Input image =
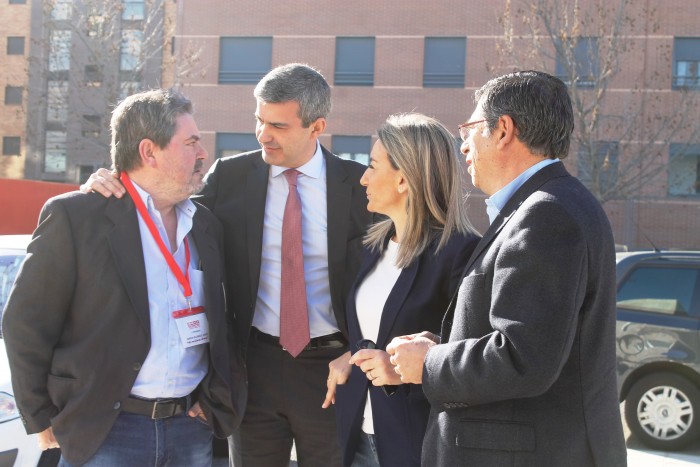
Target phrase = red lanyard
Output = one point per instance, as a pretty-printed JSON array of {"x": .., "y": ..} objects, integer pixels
[{"x": 183, "y": 279}]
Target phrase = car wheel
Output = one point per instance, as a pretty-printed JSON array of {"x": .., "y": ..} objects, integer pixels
[{"x": 663, "y": 411}]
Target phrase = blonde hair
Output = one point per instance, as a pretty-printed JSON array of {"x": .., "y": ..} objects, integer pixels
[{"x": 425, "y": 153}]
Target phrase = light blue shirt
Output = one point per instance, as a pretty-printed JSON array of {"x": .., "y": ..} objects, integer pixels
[
  {"x": 311, "y": 185},
  {"x": 495, "y": 203},
  {"x": 170, "y": 369}
]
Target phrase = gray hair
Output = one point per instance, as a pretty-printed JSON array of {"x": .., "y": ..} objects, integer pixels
[
  {"x": 539, "y": 105},
  {"x": 146, "y": 115},
  {"x": 297, "y": 82},
  {"x": 425, "y": 152}
]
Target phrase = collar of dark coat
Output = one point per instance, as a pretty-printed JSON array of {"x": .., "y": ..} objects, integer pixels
[
  {"x": 125, "y": 240},
  {"x": 521, "y": 194}
]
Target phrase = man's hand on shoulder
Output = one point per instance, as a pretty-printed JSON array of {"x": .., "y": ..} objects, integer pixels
[{"x": 105, "y": 183}]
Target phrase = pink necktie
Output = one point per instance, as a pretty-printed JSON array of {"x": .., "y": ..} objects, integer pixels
[{"x": 294, "y": 318}]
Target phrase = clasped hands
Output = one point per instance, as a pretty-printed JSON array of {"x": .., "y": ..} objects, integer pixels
[{"x": 401, "y": 363}]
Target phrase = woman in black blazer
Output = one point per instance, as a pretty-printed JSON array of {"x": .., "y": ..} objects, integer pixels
[{"x": 413, "y": 262}]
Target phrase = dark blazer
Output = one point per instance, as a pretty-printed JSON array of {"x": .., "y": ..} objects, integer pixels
[
  {"x": 236, "y": 190},
  {"x": 526, "y": 372},
  {"x": 77, "y": 324},
  {"x": 416, "y": 303}
]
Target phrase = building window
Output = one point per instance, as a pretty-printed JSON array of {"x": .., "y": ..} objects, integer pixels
[
  {"x": 244, "y": 60},
  {"x": 127, "y": 88},
  {"x": 10, "y": 145},
  {"x": 133, "y": 10},
  {"x": 92, "y": 125},
  {"x": 55, "y": 154},
  {"x": 132, "y": 41},
  {"x": 15, "y": 46},
  {"x": 13, "y": 95},
  {"x": 686, "y": 63},
  {"x": 354, "y": 61},
  {"x": 597, "y": 167},
  {"x": 93, "y": 76},
  {"x": 57, "y": 101},
  {"x": 84, "y": 172},
  {"x": 444, "y": 62},
  {"x": 578, "y": 62},
  {"x": 684, "y": 170},
  {"x": 59, "y": 51},
  {"x": 95, "y": 24},
  {"x": 662, "y": 290},
  {"x": 61, "y": 10},
  {"x": 229, "y": 144},
  {"x": 354, "y": 148}
]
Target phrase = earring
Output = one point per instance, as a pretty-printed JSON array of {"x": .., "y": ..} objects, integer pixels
[{"x": 400, "y": 190}]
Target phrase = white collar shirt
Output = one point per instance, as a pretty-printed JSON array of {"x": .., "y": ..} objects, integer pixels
[
  {"x": 311, "y": 185},
  {"x": 170, "y": 369}
]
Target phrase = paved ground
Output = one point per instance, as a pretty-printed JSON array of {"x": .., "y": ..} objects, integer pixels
[{"x": 639, "y": 455}]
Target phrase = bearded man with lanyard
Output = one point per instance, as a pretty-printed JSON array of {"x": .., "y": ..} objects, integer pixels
[{"x": 116, "y": 327}]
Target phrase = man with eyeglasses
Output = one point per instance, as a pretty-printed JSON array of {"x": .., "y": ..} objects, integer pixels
[{"x": 524, "y": 370}]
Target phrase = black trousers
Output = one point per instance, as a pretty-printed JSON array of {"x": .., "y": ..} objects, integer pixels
[{"x": 284, "y": 405}]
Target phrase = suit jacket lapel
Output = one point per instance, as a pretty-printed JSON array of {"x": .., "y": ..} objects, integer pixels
[
  {"x": 256, "y": 196},
  {"x": 208, "y": 255},
  {"x": 368, "y": 262},
  {"x": 395, "y": 301},
  {"x": 338, "y": 195},
  {"x": 127, "y": 253},
  {"x": 521, "y": 194}
]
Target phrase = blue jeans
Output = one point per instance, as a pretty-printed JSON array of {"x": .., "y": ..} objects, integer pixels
[
  {"x": 366, "y": 455},
  {"x": 137, "y": 440}
]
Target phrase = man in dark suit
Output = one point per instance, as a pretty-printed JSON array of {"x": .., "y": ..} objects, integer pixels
[
  {"x": 248, "y": 194},
  {"x": 116, "y": 327},
  {"x": 524, "y": 374}
]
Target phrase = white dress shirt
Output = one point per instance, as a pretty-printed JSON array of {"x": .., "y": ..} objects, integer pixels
[
  {"x": 311, "y": 186},
  {"x": 370, "y": 300},
  {"x": 170, "y": 369}
]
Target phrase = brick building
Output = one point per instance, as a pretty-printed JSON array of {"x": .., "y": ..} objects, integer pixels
[
  {"x": 397, "y": 56},
  {"x": 400, "y": 56},
  {"x": 14, "y": 44}
]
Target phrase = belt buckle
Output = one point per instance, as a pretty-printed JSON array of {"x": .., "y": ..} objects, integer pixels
[
  {"x": 157, "y": 415},
  {"x": 313, "y": 344}
]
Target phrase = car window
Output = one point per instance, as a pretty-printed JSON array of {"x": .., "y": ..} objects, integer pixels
[
  {"x": 662, "y": 290},
  {"x": 9, "y": 266}
]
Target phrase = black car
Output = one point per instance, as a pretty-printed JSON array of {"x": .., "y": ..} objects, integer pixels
[{"x": 658, "y": 345}]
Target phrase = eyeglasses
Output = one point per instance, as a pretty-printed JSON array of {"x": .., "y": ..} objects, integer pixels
[{"x": 464, "y": 128}]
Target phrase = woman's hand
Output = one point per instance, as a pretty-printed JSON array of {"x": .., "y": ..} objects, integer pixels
[
  {"x": 338, "y": 373},
  {"x": 376, "y": 366}
]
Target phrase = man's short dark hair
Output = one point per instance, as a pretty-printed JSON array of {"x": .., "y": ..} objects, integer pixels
[
  {"x": 297, "y": 82},
  {"x": 146, "y": 115},
  {"x": 539, "y": 105}
]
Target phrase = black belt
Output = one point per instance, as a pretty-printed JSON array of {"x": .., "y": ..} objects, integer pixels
[
  {"x": 156, "y": 408},
  {"x": 331, "y": 341}
]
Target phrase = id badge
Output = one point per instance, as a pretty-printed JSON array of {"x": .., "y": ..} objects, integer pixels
[{"x": 192, "y": 325}]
